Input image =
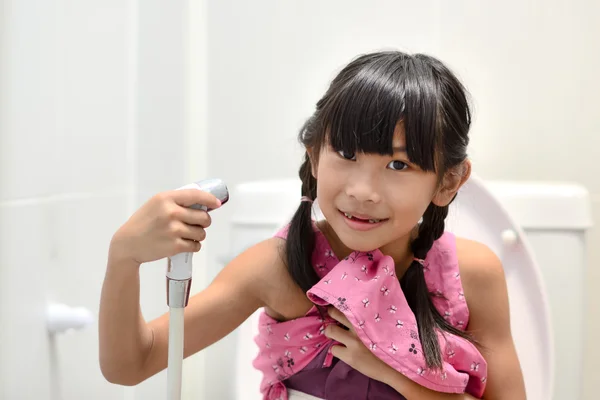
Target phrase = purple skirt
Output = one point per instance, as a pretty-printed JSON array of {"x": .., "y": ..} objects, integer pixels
[{"x": 339, "y": 381}]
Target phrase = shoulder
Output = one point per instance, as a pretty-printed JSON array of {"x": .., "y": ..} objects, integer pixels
[
  {"x": 262, "y": 271},
  {"x": 479, "y": 266},
  {"x": 248, "y": 272},
  {"x": 484, "y": 285},
  {"x": 271, "y": 270},
  {"x": 260, "y": 262}
]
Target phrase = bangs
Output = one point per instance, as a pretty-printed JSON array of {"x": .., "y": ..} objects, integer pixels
[{"x": 361, "y": 113}]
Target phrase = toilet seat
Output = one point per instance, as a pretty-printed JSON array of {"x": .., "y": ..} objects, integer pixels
[{"x": 476, "y": 215}]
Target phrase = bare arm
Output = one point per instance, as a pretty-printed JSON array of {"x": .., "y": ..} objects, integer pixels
[
  {"x": 489, "y": 322},
  {"x": 123, "y": 334},
  {"x": 213, "y": 313},
  {"x": 210, "y": 315}
]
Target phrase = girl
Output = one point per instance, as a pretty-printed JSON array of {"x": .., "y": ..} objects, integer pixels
[{"x": 376, "y": 301}]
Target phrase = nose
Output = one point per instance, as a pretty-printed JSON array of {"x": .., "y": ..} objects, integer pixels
[{"x": 363, "y": 188}]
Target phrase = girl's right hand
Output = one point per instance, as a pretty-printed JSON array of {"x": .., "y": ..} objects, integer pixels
[{"x": 164, "y": 226}]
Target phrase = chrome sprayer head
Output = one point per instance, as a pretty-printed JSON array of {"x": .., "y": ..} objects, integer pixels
[
  {"x": 216, "y": 187},
  {"x": 179, "y": 269}
]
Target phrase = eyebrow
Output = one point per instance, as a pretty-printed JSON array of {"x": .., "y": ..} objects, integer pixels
[{"x": 399, "y": 149}]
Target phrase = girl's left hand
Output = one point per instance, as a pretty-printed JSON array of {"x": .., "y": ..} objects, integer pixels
[
  {"x": 354, "y": 352},
  {"x": 358, "y": 356}
]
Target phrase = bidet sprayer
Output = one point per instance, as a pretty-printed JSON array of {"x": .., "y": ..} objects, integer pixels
[{"x": 179, "y": 269}]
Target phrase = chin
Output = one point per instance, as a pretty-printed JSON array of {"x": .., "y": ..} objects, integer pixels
[
  {"x": 362, "y": 247},
  {"x": 360, "y": 242}
]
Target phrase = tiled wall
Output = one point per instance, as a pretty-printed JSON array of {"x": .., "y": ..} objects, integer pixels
[
  {"x": 64, "y": 185},
  {"x": 91, "y": 125}
]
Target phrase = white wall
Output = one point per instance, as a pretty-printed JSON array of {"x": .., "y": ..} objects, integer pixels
[
  {"x": 530, "y": 67},
  {"x": 95, "y": 113}
]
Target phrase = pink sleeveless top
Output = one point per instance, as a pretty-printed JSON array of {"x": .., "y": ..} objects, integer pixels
[{"x": 364, "y": 287}]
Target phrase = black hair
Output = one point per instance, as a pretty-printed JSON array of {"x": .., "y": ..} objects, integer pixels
[{"x": 359, "y": 113}]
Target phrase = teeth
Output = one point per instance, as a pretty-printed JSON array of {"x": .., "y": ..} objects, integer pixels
[{"x": 371, "y": 221}]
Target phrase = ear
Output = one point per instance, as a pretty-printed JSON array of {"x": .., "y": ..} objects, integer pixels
[
  {"x": 451, "y": 183},
  {"x": 313, "y": 164}
]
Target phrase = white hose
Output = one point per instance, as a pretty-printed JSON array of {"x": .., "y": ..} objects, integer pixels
[
  {"x": 179, "y": 279},
  {"x": 175, "y": 362}
]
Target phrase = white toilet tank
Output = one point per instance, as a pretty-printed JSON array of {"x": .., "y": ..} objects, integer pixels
[
  {"x": 260, "y": 209},
  {"x": 555, "y": 218}
]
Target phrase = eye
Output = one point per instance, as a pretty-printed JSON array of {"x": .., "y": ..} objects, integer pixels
[
  {"x": 397, "y": 165},
  {"x": 347, "y": 156}
]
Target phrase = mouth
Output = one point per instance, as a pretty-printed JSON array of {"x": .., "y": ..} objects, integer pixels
[{"x": 366, "y": 219}]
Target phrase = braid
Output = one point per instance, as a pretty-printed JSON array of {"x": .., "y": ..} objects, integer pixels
[
  {"x": 430, "y": 230},
  {"x": 300, "y": 241},
  {"x": 309, "y": 183},
  {"x": 417, "y": 294}
]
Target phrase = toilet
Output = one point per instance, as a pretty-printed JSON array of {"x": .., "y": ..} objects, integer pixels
[{"x": 537, "y": 230}]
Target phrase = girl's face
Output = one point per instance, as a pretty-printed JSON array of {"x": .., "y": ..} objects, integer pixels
[{"x": 370, "y": 200}]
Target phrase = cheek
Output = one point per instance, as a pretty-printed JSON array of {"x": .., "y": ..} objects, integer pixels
[
  {"x": 330, "y": 177},
  {"x": 409, "y": 204},
  {"x": 327, "y": 187}
]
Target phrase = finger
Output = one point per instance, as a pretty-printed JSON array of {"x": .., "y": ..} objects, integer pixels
[
  {"x": 190, "y": 197},
  {"x": 339, "y": 352},
  {"x": 338, "y": 334},
  {"x": 180, "y": 230},
  {"x": 187, "y": 246},
  {"x": 193, "y": 217},
  {"x": 339, "y": 317},
  {"x": 192, "y": 232}
]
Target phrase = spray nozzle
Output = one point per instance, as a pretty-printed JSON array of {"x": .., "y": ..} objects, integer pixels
[{"x": 179, "y": 269}]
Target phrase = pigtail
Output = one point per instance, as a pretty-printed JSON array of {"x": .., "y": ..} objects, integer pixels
[
  {"x": 417, "y": 294},
  {"x": 300, "y": 241}
]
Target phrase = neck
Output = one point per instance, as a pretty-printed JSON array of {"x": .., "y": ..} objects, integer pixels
[
  {"x": 398, "y": 249},
  {"x": 401, "y": 252}
]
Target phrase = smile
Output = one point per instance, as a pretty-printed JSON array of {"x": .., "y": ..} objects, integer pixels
[
  {"x": 361, "y": 222},
  {"x": 370, "y": 220}
]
